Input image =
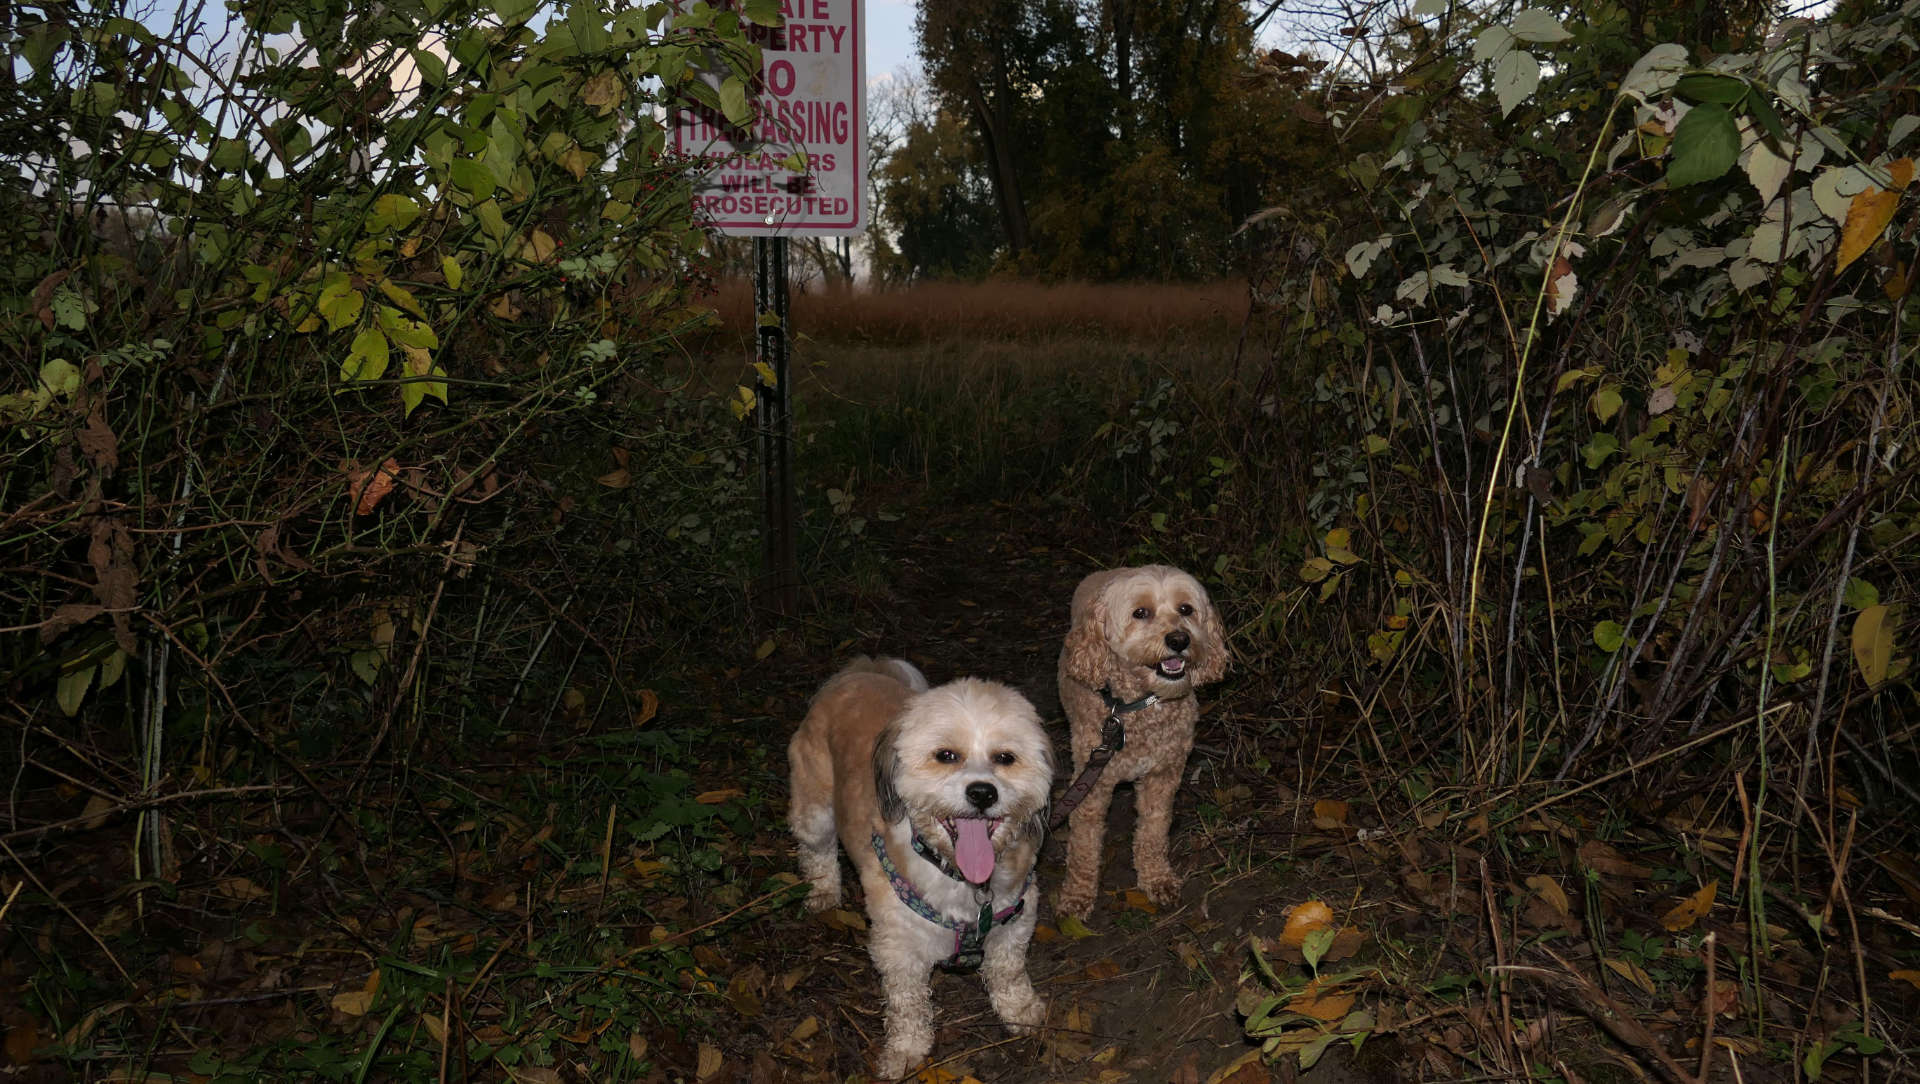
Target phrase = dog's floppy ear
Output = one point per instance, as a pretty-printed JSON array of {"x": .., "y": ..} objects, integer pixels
[
  {"x": 1038, "y": 820},
  {"x": 886, "y": 765},
  {"x": 1210, "y": 664},
  {"x": 1085, "y": 652}
]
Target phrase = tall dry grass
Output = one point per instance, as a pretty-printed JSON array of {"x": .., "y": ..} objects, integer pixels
[
  {"x": 985, "y": 389},
  {"x": 995, "y": 310}
]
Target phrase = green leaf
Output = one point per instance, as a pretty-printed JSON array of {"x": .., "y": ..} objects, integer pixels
[
  {"x": 229, "y": 155},
  {"x": 764, "y": 12},
  {"x": 1074, "y": 928},
  {"x": 733, "y": 102},
  {"x": 1599, "y": 448},
  {"x": 472, "y": 178},
  {"x": 1762, "y": 111},
  {"x": 433, "y": 70},
  {"x": 394, "y": 211},
  {"x": 1310, "y": 1053},
  {"x": 1516, "y": 75},
  {"x": 1873, "y": 643},
  {"x": 450, "y": 268},
  {"x": 492, "y": 220},
  {"x": 71, "y": 690},
  {"x": 1860, "y": 594},
  {"x": 367, "y": 360},
  {"x": 1711, "y": 87},
  {"x": 1315, "y": 945},
  {"x": 513, "y": 12},
  {"x": 1608, "y": 636},
  {"x": 1705, "y": 145},
  {"x": 1605, "y": 403},
  {"x": 1535, "y": 25}
]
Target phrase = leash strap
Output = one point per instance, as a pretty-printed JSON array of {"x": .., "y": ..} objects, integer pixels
[
  {"x": 1113, "y": 738},
  {"x": 969, "y": 938}
]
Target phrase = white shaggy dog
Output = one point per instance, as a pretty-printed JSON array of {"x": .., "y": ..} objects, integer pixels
[{"x": 940, "y": 798}]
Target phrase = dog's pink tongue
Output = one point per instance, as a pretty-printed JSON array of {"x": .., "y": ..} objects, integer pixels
[{"x": 973, "y": 848}]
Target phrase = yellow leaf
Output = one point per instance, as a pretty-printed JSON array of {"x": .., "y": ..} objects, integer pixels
[
  {"x": 1329, "y": 813},
  {"x": 765, "y": 649},
  {"x": 1873, "y": 643},
  {"x": 1549, "y": 890},
  {"x": 616, "y": 479},
  {"x": 805, "y": 1029},
  {"x": 1910, "y": 977},
  {"x": 649, "y": 707},
  {"x": 1867, "y": 219},
  {"x": 434, "y": 1026},
  {"x": 1901, "y": 169},
  {"x": 357, "y": 1002},
  {"x": 1138, "y": 900},
  {"x": 1631, "y": 972},
  {"x": 719, "y": 797},
  {"x": 1074, "y": 928},
  {"x": 1692, "y": 909},
  {"x": 1303, "y": 919}
]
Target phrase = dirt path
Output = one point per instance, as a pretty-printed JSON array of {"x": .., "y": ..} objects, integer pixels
[{"x": 1149, "y": 996}]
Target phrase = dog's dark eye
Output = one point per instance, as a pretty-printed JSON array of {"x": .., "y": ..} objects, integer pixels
[
  {"x": 1142, "y": 614},
  {"x": 1004, "y": 758},
  {"x": 1186, "y": 609},
  {"x": 946, "y": 756}
]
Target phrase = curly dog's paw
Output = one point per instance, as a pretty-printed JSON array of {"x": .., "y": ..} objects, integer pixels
[
  {"x": 1162, "y": 887},
  {"x": 1025, "y": 1014},
  {"x": 1074, "y": 901}
]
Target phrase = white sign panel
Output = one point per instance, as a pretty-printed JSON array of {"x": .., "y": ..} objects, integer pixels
[{"x": 809, "y": 105}]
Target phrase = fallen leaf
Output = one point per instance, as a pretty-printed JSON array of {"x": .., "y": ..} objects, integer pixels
[
  {"x": 1692, "y": 909},
  {"x": 637, "y": 1046},
  {"x": 805, "y": 1029},
  {"x": 1074, "y": 928},
  {"x": 1600, "y": 858},
  {"x": 1724, "y": 998},
  {"x": 710, "y": 1061},
  {"x": 368, "y": 486},
  {"x": 1103, "y": 970},
  {"x": 1138, "y": 900},
  {"x": 435, "y": 1027},
  {"x": 1632, "y": 972},
  {"x": 1327, "y": 1008},
  {"x": 1303, "y": 919},
  {"x": 1549, "y": 889},
  {"x": 357, "y": 1002},
  {"x": 649, "y": 707},
  {"x": 1245, "y": 1069},
  {"x": 1329, "y": 813},
  {"x": 1906, "y": 976},
  {"x": 719, "y": 797},
  {"x": 21, "y": 1041}
]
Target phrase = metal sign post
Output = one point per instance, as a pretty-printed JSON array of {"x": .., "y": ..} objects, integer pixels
[
  {"x": 796, "y": 168},
  {"x": 775, "y": 422}
]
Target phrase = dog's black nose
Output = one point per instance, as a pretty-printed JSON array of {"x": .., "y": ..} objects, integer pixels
[
  {"x": 982, "y": 795},
  {"x": 1177, "y": 640}
]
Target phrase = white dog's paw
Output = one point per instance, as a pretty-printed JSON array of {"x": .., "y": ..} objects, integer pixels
[
  {"x": 822, "y": 899},
  {"x": 894, "y": 1063},
  {"x": 1023, "y": 1013}
]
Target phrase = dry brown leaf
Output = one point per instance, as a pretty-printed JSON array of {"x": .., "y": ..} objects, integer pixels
[
  {"x": 649, "y": 707},
  {"x": 719, "y": 797},
  {"x": 1344, "y": 944},
  {"x": 1600, "y": 858},
  {"x": 22, "y": 1039},
  {"x": 1248, "y": 1068},
  {"x": 435, "y": 1027},
  {"x": 637, "y": 1046},
  {"x": 1724, "y": 998},
  {"x": 1329, "y": 813},
  {"x": 1102, "y": 970},
  {"x": 1907, "y": 976},
  {"x": 1692, "y": 909},
  {"x": 805, "y": 1029},
  {"x": 240, "y": 888},
  {"x": 1631, "y": 972},
  {"x": 1138, "y": 900},
  {"x": 368, "y": 486},
  {"x": 1303, "y": 919},
  {"x": 1327, "y": 1007},
  {"x": 1549, "y": 889},
  {"x": 710, "y": 1061}
]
